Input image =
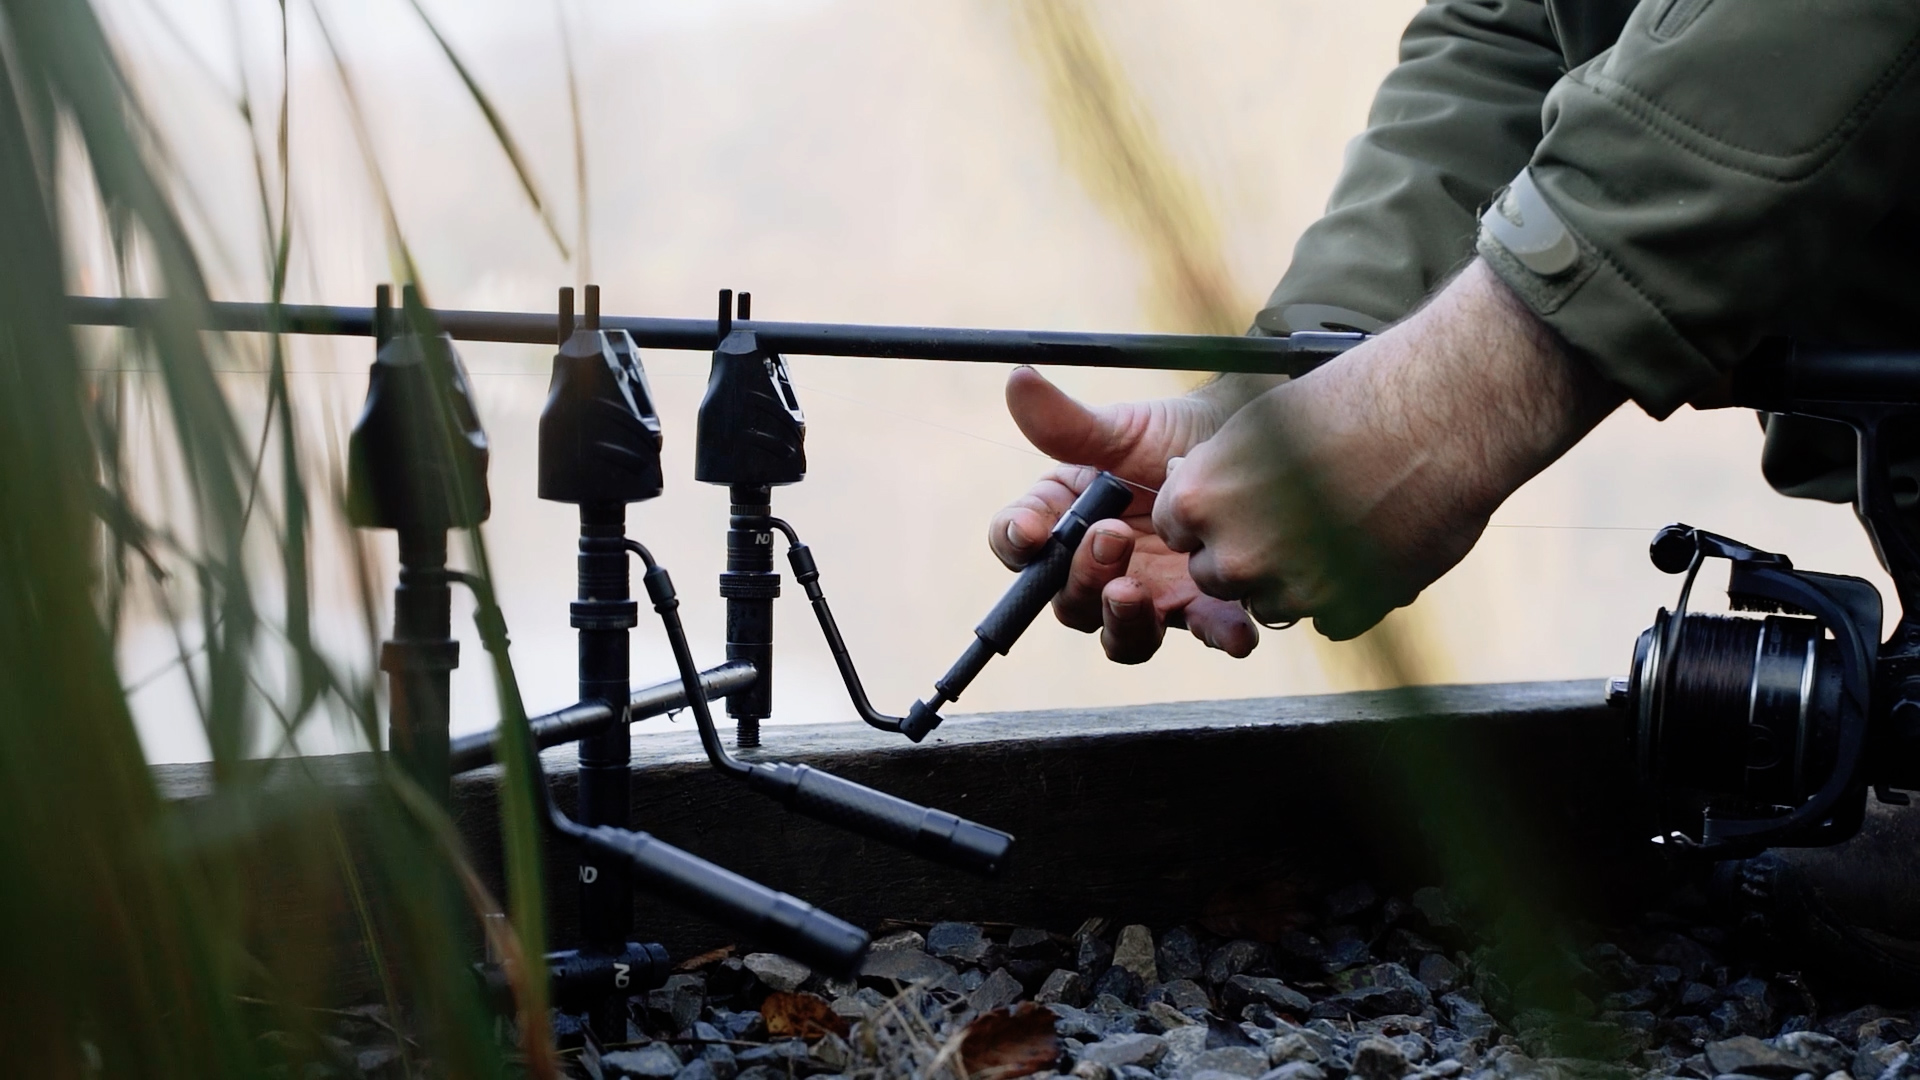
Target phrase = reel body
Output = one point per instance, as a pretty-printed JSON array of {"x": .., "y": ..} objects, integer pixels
[{"x": 1761, "y": 716}]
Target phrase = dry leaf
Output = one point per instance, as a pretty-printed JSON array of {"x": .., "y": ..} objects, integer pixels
[
  {"x": 1013, "y": 1042},
  {"x": 711, "y": 956},
  {"x": 800, "y": 1015}
]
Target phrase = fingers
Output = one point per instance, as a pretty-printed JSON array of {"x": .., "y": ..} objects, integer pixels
[
  {"x": 1130, "y": 631},
  {"x": 1176, "y": 515},
  {"x": 1223, "y": 625},
  {"x": 1060, "y": 427},
  {"x": 1102, "y": 557},
  {"x": 1016, "y": 533}
]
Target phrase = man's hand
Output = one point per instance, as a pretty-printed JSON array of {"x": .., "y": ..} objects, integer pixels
[
  {"x": 1342, "y": 494},
  {"x": 1125, "y": 582}
]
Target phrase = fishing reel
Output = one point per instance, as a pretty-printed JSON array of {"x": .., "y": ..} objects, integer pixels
[{"x": 1763, "y": 716}]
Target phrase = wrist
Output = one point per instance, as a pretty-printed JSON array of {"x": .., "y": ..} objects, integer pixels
[{"x": 1512, "y": 393}]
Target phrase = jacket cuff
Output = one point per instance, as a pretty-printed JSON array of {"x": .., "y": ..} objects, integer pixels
[{"x": 1539, "y": 251}]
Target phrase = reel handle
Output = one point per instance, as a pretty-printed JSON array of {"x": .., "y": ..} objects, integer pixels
[{"x": 934, "y": 834}]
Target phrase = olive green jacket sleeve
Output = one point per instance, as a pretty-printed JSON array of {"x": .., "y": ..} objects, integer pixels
[
  {"x": 1710, "y": 179},
  {"x": 1449, "y": 127}
]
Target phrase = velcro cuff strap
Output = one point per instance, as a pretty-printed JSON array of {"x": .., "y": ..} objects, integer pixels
[{"x": 1521, "y": 221}]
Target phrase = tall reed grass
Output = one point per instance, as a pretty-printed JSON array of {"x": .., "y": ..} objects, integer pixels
[{"x": 147, "y": 937}]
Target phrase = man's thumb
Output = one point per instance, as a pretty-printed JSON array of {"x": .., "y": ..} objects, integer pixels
[{"x": 1060, "y": 427}]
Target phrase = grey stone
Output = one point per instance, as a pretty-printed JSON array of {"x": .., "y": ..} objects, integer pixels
[
  {"x": 1091, "y": 957},
  {"x": 863, "y": 1004},
  {"x": 1118, "y": 1015},
  {"x": 1090, "y": 1070},
  {"x": 787, "y": 1055},
  {"x": 1630, "y": 1000},
  {"x": 832, "y": 1052},
  {"x": 748, "y": 1026},
  {"x": 1027, "y": 943},
  {"x": 1885, "y": 1029},
  {"x": 1062, "y": 987},
  {"x": 971, "y": 979},
  {"x": 1872, "y": 1062},
  {"x": 1183, "y": 1043},
  {"x": 655, "y": 1061},
  {"x": 904, "y": 939},
  {"x": 1697, "y": 997},
  {"x": 1745, "y": 1009},
  {"x": 1467, "y": 1016},
  {"x": 1231, "y": 1060},
  {"x": 721, "y": 1060},
  {"x": 1075, "y": 1023},
  {"x": 778, "y": 972},
  {"x": 1178, "y": 955},
  {"x": 1441, "y": 974},
  {"x": 1346, "y": 953},
  {"x": 697, "y": 1069},
  {"x": 1234, "y": 958},
  {"x": 960, "y": 941},
  {"x": 999, "y": 989},
  {"x": 680, "y": 999},
  {"x": 1297, "y": 1046},
  {"x": 1137, "y": 1048},
  {"x": 1375, "y": 1058},
  {"x": 1185, "y": 995},
  {"x": 1134, "y": 952},
  {"x": 1243, "y": 990},
  {"x": 1303, "y": 948},
  {"x": 1167, "y": 1016},
  {"x": 1393, "y": 977},
  {"x": 1191, "y": 1073},
  {"x": 904, "y": 966},
  {"x": 762, "y": 1072},
  {"x": 1120, "y": 983},
  {"x": 1295, "y": 1070}
]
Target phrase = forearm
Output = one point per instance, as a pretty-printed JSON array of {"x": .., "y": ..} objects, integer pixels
[{"x": 1463, "y": 402}]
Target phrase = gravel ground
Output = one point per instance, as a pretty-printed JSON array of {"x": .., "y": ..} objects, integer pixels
[{"x": 1371, "y": 988}]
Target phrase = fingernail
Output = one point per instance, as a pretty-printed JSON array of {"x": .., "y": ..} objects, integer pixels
[
  {"x": 1174, "y": 463},
  {"x": 1014, "y": 537},
  {"x": 1107, "y": 547},
  {"x": 1123, "y": 609}
]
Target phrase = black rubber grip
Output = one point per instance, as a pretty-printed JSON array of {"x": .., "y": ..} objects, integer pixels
[
  {"x": 934, "y": 834},
  {"x": 785, "y": 924},
  {"x": 1044, "y": 577}
]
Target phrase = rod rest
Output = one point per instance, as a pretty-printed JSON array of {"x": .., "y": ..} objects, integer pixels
[{"x": 934, "y": 834}]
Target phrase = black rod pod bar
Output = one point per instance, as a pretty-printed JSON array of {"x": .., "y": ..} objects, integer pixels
[
  {"x": 479, "y": 749},
  {"x": 785, "y": 924},
  {"x": 1032, "y": 590},
  {"x": 933, "y": 834},
  {"x": 1293, "y": 355},
  {"x": 417, "y": 464}
]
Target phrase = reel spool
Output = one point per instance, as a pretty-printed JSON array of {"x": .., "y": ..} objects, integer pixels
[{"x": 1762, "y": 717}]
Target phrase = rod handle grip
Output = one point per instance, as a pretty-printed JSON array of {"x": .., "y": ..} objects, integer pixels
[
  {"x": 785, "y": 924},
  {"x": 924, "y": 831},
  {"x": 1043, "y": 578}
]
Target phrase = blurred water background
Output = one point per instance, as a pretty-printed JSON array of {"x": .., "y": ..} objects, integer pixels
[{"x": 851, "y": 161}]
